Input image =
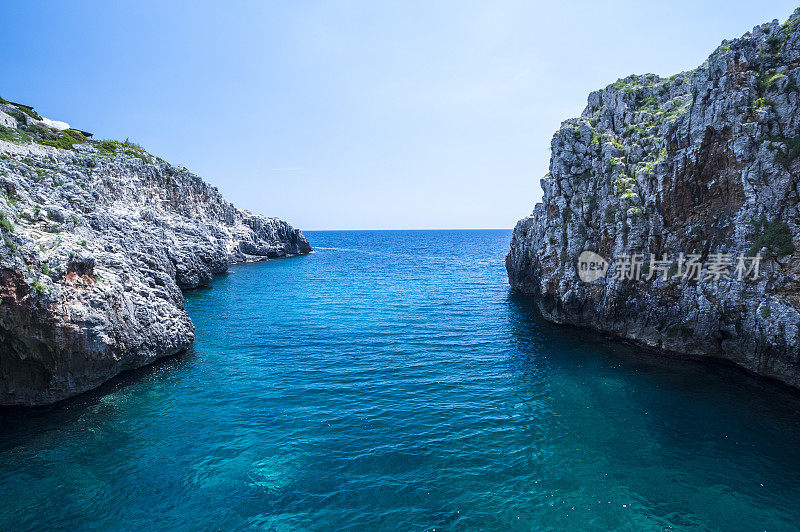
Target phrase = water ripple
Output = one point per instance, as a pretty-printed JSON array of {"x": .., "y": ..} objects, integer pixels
[{"x": 391, "y": 380}]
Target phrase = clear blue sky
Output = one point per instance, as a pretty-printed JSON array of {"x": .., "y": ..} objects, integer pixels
[{"x": 352, "y": 115}]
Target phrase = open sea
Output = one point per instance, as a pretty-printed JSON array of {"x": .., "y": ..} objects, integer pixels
[{"x": 392, "y": 381}]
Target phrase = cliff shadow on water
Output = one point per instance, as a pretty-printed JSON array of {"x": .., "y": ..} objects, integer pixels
[
  {"x": 19, "y": 425},
  {"x": 544, "y": 347},
  {"x": 686, "y": 436},
  {"x": 19, "y": 422}
]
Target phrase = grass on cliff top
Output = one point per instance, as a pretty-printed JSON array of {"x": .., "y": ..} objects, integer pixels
[
  {"x": 19, "y": 116},
  {"x": 108, "y": 147},
  {"x": 630, "y": 84},
  {"x": 18, "y": 109},
  {"x": 13, "y": 135},
  {"x": 791, "y": 23},
  {"x": 66, "y": 140},
  {"x": 40, "y": 134}
]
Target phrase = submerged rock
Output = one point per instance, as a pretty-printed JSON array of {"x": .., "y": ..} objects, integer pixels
[
  {"x": 98, "y": 240},
  {"x": 657, "y": 169}
]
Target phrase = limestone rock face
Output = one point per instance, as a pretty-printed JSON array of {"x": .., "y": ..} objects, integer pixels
[
  {"x": 98, "y": 241},
  {"x": 704, "y": 162}
]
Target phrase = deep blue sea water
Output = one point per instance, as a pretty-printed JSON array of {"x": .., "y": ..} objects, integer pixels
[{"x": 392, "y": 381}]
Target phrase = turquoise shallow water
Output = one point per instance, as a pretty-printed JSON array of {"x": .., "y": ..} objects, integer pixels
[{"x": 391, "y": 380}]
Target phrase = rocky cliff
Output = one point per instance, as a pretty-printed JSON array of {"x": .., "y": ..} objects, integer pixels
[
  {"x": 657, "y": 173},
  {"x": 98, "y": 240}
]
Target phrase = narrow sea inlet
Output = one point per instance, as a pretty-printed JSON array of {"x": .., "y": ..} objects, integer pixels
[{"x": 391, "y": 380}]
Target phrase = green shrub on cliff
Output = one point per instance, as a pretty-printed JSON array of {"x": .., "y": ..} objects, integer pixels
[
  {"x": 5, "y": 223},
  {"x": 77, "y": 135},
  {"x": 592, "y": 206},
  {"x": 9, "y": 244},
  {"x": 775, "y": 236},
  {"x": 41, "y": 132},
  {"x": 139, "y": 154},
  {"x": 66, "y": 140},
  {"x": 30, "y": 112},
  {"x": 650, "y": 101},
  {"x": 13, "y": 135},
  {"x": 791, "y": 23},
  {"x": 633, "y": 129},
  {"x": 17, "y": 115},
  {"x": 107, "y": 146},
  {"x": 774, "y": 41},
  {"x": 611, "y": 214},
  {"x": 772, "y": 79},
  {"x": 785, "y": 157},
  {"x": 39, "y": 288}
]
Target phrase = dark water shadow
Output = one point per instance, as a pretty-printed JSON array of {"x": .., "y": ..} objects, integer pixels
[
  {"x": 18, "y": 423},
  {"x": 657, "y": 420},
  {"x": 21, "y": 418},
  {"x": 673, "y": 371},
  {"x": 694, "y": 412}
]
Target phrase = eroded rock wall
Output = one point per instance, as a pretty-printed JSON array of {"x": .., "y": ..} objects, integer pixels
[
  {"x": 702, "y": 162},
  {"x": 98, "y": 241}
]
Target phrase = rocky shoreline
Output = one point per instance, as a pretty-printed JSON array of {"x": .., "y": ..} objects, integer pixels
[
  {"x": 99, "y": 239},
  {"x": 659, "y": 175}
]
